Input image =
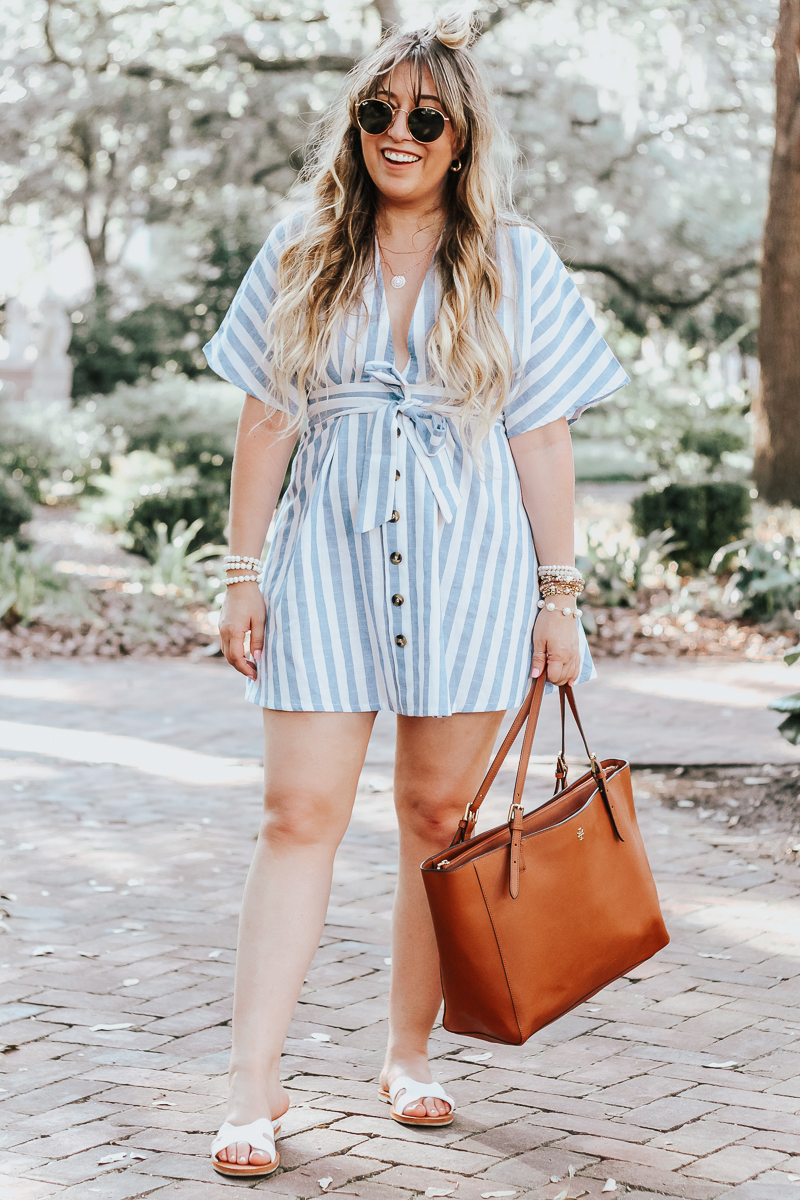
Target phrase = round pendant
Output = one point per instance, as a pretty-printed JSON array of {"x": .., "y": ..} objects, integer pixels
[{"x": 398, "y": 281}]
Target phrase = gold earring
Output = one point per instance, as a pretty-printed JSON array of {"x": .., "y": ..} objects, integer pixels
[{"x": 455, "y": 165}]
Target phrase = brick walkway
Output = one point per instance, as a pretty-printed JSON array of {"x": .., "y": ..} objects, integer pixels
[{"x": 122, "y": 885}]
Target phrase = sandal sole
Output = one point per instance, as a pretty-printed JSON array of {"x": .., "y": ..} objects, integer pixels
[
  {"x": 446, "y": 1119},
  {"x": 249, "y": 1171}
]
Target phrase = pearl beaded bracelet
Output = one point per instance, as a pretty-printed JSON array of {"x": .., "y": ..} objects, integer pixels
[
  {"x": 568, "y": 612},
  {"x": 238, "y": 562},
  {"x": 240, "y": 579}
]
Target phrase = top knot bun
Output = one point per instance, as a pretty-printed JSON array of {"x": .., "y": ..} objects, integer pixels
[{"x": 453, "y": 26}]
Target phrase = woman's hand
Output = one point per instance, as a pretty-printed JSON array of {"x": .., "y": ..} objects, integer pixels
[
  {"x": 555, "y": 643},
  {"x": 243, "y": 611}
]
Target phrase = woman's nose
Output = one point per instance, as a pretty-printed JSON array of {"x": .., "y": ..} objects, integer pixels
[{"x": 399, "y": 126}]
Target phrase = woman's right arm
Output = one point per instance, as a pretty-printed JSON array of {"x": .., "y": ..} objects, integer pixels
[{"x": 259, "y": 467}]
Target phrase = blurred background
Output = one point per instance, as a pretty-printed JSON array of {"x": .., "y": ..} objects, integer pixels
[{"x": 147, "y": 150}]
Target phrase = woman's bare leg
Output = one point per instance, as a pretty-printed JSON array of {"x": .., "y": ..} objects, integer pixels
[
  {"x": 312, "y": 762},
  {"x": 440, "y": 764}
]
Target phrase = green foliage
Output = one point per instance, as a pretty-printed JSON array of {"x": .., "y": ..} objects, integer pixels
[
  {"x": 790, "y": 728},
  {"x": 703, "y": 516},
  {"x": 15, "y": 508},
  {"x": 202, "y": 503},
  {"x": 683, "y": 416},
  {"x": 766, "y": 577},
  {"x": 711, "y": 443},
  {"x": 177, "y": 570},
  {"x": 29, "y": 586},
  {"x": 614, "y": 568},
  {"x": 177, "y": 436},
  {"x": 167, "y": 326}
]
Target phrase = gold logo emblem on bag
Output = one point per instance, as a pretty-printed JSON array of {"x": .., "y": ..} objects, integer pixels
[{"x": 581, "y": 834}]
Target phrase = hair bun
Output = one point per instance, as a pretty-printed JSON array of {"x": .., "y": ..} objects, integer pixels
[{"x": 453, "y": 26}]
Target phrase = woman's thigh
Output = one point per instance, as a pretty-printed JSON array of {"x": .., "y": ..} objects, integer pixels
[
  {"x": 312, "y": 762},
  {"x": 441, "y": 761}
]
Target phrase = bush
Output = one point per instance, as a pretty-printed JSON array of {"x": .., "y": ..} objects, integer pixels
[
  {"x": 766, "y": 577},
  {"x": 206, "y": 501},
  {"x": 15, "y": 509},
  {"x": 703, "y": 516}
]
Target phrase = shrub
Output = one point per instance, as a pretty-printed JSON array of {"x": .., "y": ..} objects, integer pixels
[
  {"x": 15, "y": 509},
  {"x": 704, "y": 516},
  {"x": 765, "y": 579},
  {"x": 205, "y": 501}
]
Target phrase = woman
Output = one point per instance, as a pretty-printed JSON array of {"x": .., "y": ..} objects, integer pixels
[{"x": 438, "y": 349}]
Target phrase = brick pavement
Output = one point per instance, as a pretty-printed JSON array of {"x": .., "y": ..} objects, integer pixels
[{"x": 122, "y": 886}]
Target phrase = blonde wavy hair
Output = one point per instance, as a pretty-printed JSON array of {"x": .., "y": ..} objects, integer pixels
[{"x": 323, "y": 269}]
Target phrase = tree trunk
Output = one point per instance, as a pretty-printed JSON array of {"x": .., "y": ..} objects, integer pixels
[
  {"x": 777, "y": 406},
  {"x": 388, "y": 13}
]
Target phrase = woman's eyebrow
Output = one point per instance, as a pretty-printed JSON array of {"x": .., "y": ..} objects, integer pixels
[{"x": 423, "y": 96}]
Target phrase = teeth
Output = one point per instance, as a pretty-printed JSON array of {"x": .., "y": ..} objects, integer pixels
[{"x": 396, "y": 156}]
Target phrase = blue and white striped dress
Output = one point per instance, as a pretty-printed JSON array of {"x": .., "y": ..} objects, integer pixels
[{"x": 400, "y": 574}]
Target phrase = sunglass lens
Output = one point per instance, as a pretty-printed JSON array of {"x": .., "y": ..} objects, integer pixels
[
  {"x": 374, "y": 116},
  {"x": 425, "y": 124}
]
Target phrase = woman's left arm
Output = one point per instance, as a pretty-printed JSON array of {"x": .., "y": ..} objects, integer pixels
[{"x": 543, "y": 458}]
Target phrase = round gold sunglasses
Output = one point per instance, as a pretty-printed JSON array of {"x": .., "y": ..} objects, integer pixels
[{"x": 424, "y": 124}]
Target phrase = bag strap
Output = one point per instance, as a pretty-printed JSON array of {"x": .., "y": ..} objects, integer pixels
[
  {"x": 529, "y": 711},
  {"x": 531, "y": 704},
  {"x": 596, "y": 768}
]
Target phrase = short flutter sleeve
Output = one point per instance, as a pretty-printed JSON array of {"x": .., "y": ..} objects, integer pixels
[
  {"x": 240, "y": 350},
  {"x": 566, "y": 364}
]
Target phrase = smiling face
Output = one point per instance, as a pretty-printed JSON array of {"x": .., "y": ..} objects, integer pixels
[{"x": 406, "y": 172}]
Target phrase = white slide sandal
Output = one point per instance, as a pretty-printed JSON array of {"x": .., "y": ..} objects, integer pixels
[
  {"x": 259, "y": 1135},
  {"x": 414, "y": 1093}
]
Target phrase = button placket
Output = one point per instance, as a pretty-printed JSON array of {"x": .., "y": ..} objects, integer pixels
[{"x": 395, "y": 572}]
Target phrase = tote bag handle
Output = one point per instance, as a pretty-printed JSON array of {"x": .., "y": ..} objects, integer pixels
[{"x": 529, "y": 711}]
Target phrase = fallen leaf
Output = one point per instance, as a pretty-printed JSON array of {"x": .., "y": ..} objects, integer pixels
[
  {"x": 555, "y": 1179},
  {"x": 129, "y": 982},
  {"x": 434, "y": 1191},
  {"x": 88, "y": 954},
  {"x": 110, "y": 1028},
  {"x": 721, "y": 1066},
  {"x": 109, "y": 1158},
  {"x": 318, "y": 1037},
  {"x": 326, "y": 1182},
  {"x": 163, "y": 1104},
  {"x": 476, "y": 1058},
  {"x": 793, "y": 1178},
  {"x": 563, "y": 1195},
  {"x": 593, "y": 1010},
  {"x": 702, "y": 955},
  {"x": 8, "y": 896},
  {"x": 214, "y": 953},
  {"x": 610, "y": 1185},
  {"x": 571, "y": 1170},
  {"x": 40, "y": 950},
  {"x": 136, "y": 1156},
  {"x": 486, "y": 1195}
]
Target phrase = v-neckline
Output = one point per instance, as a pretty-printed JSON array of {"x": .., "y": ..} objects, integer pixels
[{"x": 417, "y": 298}]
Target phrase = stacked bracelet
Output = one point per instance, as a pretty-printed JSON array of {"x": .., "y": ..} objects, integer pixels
[
  {"x": 240, "y": 579},
  {"x": 559, "y": 572},
  {"x": 564, "y": 587},
  {"x": 568, "y": 612},
  {"x": 238, "y": 562}
]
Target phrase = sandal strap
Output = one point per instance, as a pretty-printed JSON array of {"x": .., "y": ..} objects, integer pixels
[
  {"x": 414, "y": 1092},
  {"x": 259, "y": 1135}
]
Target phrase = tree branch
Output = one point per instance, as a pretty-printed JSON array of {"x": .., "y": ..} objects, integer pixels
[{"x": 656, "y": 299}]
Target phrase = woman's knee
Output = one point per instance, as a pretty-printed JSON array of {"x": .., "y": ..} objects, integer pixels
[
  {"x": 429, "y": 815},
  {"x": 301, "y": 818}
]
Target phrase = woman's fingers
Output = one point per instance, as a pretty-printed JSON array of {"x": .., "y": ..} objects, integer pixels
[
  {"x": 233, "y": 649},
  {"x": 257, "y": 627}
]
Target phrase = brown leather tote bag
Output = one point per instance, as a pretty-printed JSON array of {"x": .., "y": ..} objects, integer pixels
[{"x": 536, "y": 915}]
